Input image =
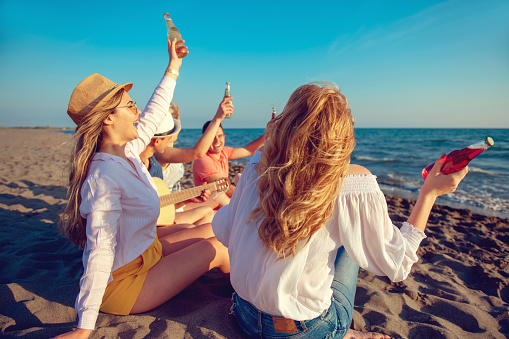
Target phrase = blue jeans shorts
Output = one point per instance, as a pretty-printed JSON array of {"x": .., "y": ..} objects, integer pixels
[{"x": 334, "y": 322}]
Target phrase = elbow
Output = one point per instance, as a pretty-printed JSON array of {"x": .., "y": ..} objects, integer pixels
[
  {"x": 251, "y": 150},
  {"x": 199, "y": 154}
]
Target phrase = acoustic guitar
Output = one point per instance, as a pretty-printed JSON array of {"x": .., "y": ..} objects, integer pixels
[{"x": 168, "y": 200}]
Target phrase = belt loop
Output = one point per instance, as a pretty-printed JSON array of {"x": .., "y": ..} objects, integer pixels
[
  {"x": 260, "y": 328},
  {"x": 232, "y": 308}
]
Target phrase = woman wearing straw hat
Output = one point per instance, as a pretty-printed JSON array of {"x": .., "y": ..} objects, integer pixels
[{"x": 113, "y": 206}]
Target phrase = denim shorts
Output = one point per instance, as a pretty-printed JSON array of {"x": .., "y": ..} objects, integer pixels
[{"x": 334, "y": 322}]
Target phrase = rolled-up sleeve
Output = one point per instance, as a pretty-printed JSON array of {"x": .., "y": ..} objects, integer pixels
[{"x": 101, "y": 207}]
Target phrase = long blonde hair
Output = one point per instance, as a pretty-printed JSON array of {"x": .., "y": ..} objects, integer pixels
[
  {"x": 305, "y": 157},
  {"x": 175, "y": 111},
  {"x": 86, "y": 142}
]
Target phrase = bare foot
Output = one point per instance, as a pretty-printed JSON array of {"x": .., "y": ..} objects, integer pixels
[{"x": 352, "y": 334}]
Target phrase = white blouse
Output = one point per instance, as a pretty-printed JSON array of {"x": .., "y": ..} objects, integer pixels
[
  {"x": 299, "y": 287},
  {"x": 172, "y": 175},
  {"x": 121, "y": 206}
]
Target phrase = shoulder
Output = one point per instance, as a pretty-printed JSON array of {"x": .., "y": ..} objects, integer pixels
[
  {"x": 203, "y": 161},
  {"x": 228, "y": 151},
  {"x": 356, "y": 169},
  {"x": 98, "y": 179}
]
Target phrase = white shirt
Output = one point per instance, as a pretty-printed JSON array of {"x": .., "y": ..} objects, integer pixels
[
  {"x": 299, "y": 287},
  {"x": 172, "y": 175},
  {"x": 121, "y": 207}
]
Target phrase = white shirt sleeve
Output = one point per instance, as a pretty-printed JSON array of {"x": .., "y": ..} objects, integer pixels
[
  {"x": 156, "y": 109},
  {"x": 234, "y": 212},
  {"x": 222, "y": 221},
  {"x": 372, "y": 240},
  {"x": 101, "y": 207}
]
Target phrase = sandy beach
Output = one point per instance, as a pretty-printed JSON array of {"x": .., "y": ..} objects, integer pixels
[{"x": 458, "y": 289}]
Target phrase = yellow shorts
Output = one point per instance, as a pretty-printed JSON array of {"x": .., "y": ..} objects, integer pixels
[{"x": 122, "y": 292}]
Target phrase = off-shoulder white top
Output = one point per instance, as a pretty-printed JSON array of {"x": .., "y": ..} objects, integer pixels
[{"x": 299, "y": 287}]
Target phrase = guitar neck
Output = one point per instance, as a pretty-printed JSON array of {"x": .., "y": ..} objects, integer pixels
[{"x": 174, "y": 198}]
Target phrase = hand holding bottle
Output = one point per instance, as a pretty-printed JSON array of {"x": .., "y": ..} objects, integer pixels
[
  {"x": 174, "y": 33},
  {"x": 438, "y": 184},
  {"x": 175, "y": 62},
  {"x": 458, "y": 159},
  {"x": 225, "y": 108},
  {"x": 435, "y": 185},
  {"x": 228, "y": 94}
]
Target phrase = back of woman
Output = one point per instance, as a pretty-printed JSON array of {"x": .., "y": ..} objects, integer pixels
[{"x": 303, "y": 220}]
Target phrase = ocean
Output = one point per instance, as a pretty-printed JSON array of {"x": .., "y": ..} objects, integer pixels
[{"x": 397, "y": 157}]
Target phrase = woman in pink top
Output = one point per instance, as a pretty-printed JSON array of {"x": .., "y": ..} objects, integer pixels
[{"x": 129, "y": 266}]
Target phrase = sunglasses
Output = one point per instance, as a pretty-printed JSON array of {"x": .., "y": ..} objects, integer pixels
[{"x": 131, "y": 106}]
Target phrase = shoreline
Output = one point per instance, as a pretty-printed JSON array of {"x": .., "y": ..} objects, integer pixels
[
  {"x": 459, "y": 288},
  {"x": 392, "y": 191},
  {"x": 390, "y": 194}
]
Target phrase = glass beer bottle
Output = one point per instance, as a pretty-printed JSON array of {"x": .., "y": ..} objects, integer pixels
[
  {"x": 274, "y": 113},
  {"x": 173, "y": 33},
  {"x": 227, "y": 93},
  {"x": 459, "y": 159}
]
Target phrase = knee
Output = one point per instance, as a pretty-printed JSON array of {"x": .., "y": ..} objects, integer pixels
[
  {"x": 237, "y": 178},
  {"x": 210, "y": 213}
]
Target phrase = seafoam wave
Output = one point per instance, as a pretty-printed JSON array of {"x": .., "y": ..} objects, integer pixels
[
  {"x": 372, "y": 159},
  {"x": 473, "y": 169},
  {"x": 397, "y": 157}
]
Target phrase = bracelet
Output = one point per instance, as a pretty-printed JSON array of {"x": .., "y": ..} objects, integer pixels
[{"x": 172, "y": 71}]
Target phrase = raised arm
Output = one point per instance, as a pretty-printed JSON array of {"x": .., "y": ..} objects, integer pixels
[
  {"x": 186, "y": 154},
  {"x": 369, "y": 235},
  {"x": 241, "y": 152},
  {"x": 159, "y": 103}
]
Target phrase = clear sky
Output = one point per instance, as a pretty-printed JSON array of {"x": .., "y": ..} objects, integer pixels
[{"x": 400, "y": 63}]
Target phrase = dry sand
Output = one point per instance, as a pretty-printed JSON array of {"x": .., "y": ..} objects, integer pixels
[{"x": 459, "y": 288}]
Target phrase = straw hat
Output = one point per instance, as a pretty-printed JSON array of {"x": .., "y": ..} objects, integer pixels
[
  {"x": 93, "y": 90},
  {"x": 169, "y": 126}
]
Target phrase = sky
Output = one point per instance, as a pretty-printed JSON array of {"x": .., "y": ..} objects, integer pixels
[{"x": 401, "y": 64}]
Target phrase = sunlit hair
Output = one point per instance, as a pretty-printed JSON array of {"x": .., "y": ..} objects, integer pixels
[
  {"x": 86, "y": 142},
  {"x": 304, "y": 159},
  {"x": 174, "y": 111}
]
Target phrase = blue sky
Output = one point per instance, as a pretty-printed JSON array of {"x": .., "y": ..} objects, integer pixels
[{"x": 400, "y": 63}]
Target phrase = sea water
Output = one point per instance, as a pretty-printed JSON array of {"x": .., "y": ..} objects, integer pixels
[{"x": 397, "y": 157}]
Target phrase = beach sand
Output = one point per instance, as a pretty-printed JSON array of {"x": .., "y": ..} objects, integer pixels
[{"x": 458, "y": 289}]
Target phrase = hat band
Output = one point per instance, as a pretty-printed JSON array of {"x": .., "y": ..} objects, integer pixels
[{"x": 165, "y": 133}]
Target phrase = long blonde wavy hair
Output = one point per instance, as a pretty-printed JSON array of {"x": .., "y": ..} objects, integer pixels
[
  {"x": 305, "y": 156},
  {"x": 85, "y": 143}
]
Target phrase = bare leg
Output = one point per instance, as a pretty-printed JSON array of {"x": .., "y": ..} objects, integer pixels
[
  {"x": 177, "y": 241},
  {"x": 209, "y": 203},
  {"x": 175, "y": 271},
  {"x": 163, "y": 231},
  {"x": 352, "y": 334},
  {"x": 197, "y": 216}
]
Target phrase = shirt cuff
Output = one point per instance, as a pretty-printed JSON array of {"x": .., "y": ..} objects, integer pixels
[
  {"x": 413, "y": 235},
  {"x": 168, "y": 81},
  {"x": 88, "y": 319}
]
